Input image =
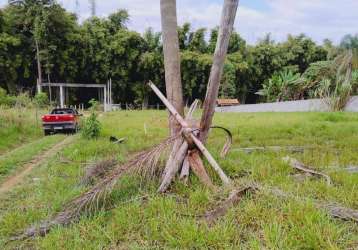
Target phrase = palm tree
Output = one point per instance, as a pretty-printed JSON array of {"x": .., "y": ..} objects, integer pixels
[{"x": 171, "y": 60}]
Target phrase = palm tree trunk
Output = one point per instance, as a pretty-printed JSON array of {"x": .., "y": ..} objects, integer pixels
[
  {"x": 226, "y": 26},
  {"x": 39, "y": 71},
  {"x": 171, "y": 60},
  {"x": 49, "y": 87}
]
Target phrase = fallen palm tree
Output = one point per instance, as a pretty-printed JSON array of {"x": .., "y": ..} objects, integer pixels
[
  {"x": 97, "y": 171},
  {"x": 144, "y": 163}
]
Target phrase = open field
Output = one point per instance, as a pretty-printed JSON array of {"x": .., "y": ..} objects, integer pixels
[
  {"x": 139, "y": 218},
  {"x": 11, "y": 161},
  {"x": 18, "y": 126}
]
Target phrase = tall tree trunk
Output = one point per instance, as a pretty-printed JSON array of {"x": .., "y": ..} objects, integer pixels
[
  {"x": 226, "y": 26},
  {"x": 39, "y": 71},
  {"x": 49, "y": 87},
  {"x": 171, "y": 60}
]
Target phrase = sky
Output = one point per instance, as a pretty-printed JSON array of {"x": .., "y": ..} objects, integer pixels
[{"x": 319, "y": 19}]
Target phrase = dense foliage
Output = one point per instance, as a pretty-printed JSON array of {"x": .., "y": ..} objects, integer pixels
[
  {"x": 334, "y": 81},
  {"x": 103, "y": 48}
]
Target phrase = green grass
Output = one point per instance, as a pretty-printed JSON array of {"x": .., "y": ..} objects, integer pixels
[
  {"x": 11, "y": 161},
  {"x": 19, "y": 126},
  {"x": 260, "y": 221}
]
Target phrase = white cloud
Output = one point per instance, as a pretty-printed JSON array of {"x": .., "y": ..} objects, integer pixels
[{"x": 318, "y": 19}]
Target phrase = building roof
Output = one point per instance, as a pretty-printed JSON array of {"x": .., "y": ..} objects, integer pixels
[{"x": 227, "y": 102}]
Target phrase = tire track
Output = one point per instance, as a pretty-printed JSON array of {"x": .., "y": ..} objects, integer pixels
[{"x": 38, "y": 160}]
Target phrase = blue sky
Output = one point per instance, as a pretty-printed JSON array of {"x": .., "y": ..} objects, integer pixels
[{"x": 318, "y": 19}]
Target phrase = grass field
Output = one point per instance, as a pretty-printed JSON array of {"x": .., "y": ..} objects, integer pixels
[
  {"x": 18, "y": 126},
  {"x": 11, "y": 161},
  {"x": 259, "y": 221}
]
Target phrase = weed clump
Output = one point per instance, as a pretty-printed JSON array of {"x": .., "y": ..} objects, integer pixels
[
  {"x": 92, "y": 127},
  {"x": 41, "y": 100}
]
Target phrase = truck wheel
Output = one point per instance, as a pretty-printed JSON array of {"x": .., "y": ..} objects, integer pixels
[{"x": 47, "y": 132}]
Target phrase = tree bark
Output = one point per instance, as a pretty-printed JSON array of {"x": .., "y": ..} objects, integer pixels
[
  {"x": 175, "y": 162},
  {"x": 222, "y": 209},
  {"x": 226, "y": 27},
  {"x": 197, "y": 165},
  {"x": 184, "y": 174},
  {"x": 171, "y": 60},
  {"x": 189, "y": 136},
  {"x": 39, "y": 70},
  {"x": 49, "y": 88}
]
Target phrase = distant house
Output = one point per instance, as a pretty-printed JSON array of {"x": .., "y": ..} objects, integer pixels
[{"x": 227, "y": 102}]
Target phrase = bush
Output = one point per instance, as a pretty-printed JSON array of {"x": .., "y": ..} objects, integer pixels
[
  {"x": 91, "y": 128},
  {"x": 23, "y": 100},
  {"x": 284, "y": 86},
  {"x": 94, "y": 105},
  {"x": 3, "y": 97},
  {"x": 336, "y": 89},
  {"x": 41, "y": 100},
  {"x": 6, "y": 100},
  {"x": 355, "y": 82}
]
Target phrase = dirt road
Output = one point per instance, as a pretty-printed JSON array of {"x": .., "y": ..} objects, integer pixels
[{"x": 38, "y": 160}]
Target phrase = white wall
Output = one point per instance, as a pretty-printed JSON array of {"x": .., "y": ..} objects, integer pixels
[{"x": 290, "y": 106}]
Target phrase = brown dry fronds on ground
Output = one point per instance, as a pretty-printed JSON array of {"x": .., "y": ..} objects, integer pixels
[
  {"x": 144, "y": 164},
  {"x": 97, "y": 170}
]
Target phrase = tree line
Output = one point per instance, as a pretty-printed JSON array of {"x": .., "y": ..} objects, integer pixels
[{"x": 42, "y": 32}]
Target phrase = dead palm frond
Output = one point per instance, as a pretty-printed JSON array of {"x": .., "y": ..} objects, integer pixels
[
  {"x": 228, "y": 143},
  {"x": 97, "y": 170},
  {"x": 145, "y": 164}
]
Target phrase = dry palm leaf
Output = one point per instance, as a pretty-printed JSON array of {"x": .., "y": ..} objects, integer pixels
[
  {"x": 97, "y": 171},
  {"x": 234, "y": 197},
  {"x": 144, "y": 163},
  {"x": 302, "y": 167}
]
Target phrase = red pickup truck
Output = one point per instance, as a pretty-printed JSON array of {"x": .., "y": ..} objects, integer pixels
[{"x": 61, "y": 120}]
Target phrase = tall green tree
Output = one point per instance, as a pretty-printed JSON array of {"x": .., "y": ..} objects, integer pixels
[
  {"x": 197, "y": 41},
  {"x": 302, "y": 51},
  {"x": 9, "y": 59}
]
